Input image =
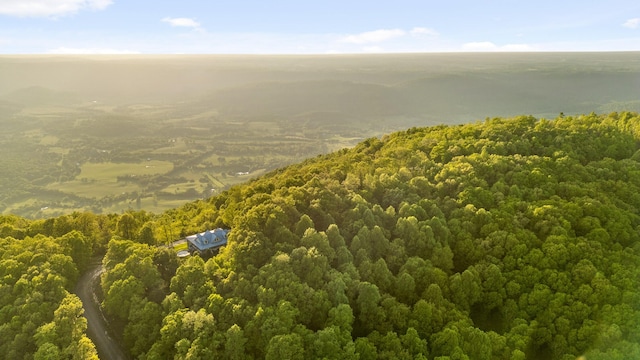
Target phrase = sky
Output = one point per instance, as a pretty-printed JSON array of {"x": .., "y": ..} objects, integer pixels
[{"x": 315, "y": 26}]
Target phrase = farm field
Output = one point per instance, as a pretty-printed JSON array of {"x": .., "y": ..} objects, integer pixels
[{"x": 112, "y": 133}]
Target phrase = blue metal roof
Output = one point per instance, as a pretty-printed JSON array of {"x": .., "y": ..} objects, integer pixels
[{"x": 210, "y": 239}]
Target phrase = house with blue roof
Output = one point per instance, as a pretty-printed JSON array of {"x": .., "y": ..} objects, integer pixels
[{"x": 207, "y": 243}]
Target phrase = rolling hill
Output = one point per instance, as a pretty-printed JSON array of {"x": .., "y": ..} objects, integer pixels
[{"x": 502, "y": 239}]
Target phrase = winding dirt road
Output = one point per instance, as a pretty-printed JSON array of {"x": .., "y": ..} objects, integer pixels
[{"x": 97, "y": 329}]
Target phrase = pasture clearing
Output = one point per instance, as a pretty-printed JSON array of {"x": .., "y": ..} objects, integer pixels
[{"x": 110, "y": 172}]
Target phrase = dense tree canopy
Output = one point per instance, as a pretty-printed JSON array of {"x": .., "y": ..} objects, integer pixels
[
  {"x": 39, "y": 317},
  {"x": 504, "y": 239},
  {"x": 510, "y": 238}
]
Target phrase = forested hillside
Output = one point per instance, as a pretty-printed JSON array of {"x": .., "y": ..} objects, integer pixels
[
  {"x": 40, "y": 317},
  {"x": 504, "y": 239}
]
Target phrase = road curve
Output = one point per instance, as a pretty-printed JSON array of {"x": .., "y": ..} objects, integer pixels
[{"x": 97, "y": 329}]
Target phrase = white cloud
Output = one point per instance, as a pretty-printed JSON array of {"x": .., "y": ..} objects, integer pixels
[
  {"x": 89, "y": 51},
  {"x": 49, "y": 8},
  {"x": 181, "y": 22},
  {"x": 632, "y": 23},
  {"x": 374, "y": 36}
]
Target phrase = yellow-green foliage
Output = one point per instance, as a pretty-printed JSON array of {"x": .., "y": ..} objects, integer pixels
[
  {"x": 508, "y": 238},
  {"x": 504, "y": 239},
  {"x": 38, "y": 314}
]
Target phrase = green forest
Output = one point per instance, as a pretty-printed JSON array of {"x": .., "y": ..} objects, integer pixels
[{"x": 512, "y": 238}]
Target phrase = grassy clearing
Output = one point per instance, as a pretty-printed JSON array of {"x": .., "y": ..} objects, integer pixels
[
  {"x": 101, "y": 180},
  {"x": 96, "y": 189},
  {"x": 180, "y": 247},
  {"x": 174, "y": 146},
  {"x": 215, "y": 180},
  {"x": 339, "y": 142},
  {"x": 181, "y": 188},
  {"x": 49, "y": 140},
  {"x": 148, "y": 203},
  {"x": 109, "y": 172},
  {"x": 59, "y": 150}
]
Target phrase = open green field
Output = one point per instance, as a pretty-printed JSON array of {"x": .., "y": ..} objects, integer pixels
[
  {"x": 105, "y": 172},
  {"x": 107, "y": 134},
  {"x": 103, "y": 179}
]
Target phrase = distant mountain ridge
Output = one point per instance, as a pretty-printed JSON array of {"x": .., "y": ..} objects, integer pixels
[{"x": 462, "y": 86}]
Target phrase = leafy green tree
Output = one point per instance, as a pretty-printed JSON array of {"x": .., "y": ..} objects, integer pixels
[
  {"x": 122, "y": 295},
  {"x": 466, "y": 288},
  {"x": 62, "y": 225},
  {"x": 303, "y": 224},
  {"x": 336, "y": 288},
  {"x": 146, "y": 234},
  {"x": 288, "y": 346},
  {"x": 79, "y": 248},
  {"x": 333, "y": 343},
  {"x": 413, "y": 344},
  {"x": 143, "y": 327},
  {"x": 365, "y": 349},
  {"x": 234, "y": 348},
  {"x": 65, "y": 335},
  {"x": 190, "y": 273},
  {"x": 445, "y": 342},
  {"x": 476, "y": 343},
  {"x": 396, "y": 314},
  {"x": 406, "y": 289},
  {"x": 126, "y": 226},
  {"x": 48, "y": 351},
  {"x": 368, "y": 308}
]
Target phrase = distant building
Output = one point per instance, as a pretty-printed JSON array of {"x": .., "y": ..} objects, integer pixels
[{"x": 207, "y": 243}]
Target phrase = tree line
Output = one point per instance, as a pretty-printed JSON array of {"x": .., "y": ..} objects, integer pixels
[{"x": 503, "y": 239}]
